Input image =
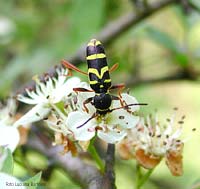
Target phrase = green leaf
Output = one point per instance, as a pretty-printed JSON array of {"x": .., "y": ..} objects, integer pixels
[
  {"x": 6, "y": 165},
  {"x": 162, "y": 39},
  {"x": 93, "y": 152},
  {"x": 33, "y": 182}
]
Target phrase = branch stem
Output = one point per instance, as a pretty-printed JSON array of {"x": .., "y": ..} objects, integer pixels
[
  {"x": 145, "y": 178},
  {"x": 141, "y": 178},
  {"x": 138, "y": 176},
  {"x": 109, "y": 177}
]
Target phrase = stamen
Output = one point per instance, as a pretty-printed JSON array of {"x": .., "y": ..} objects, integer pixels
[
  {"x": 36, "y": 79},
  {"x": 175, "y": 108},
  {"x": 164, "y": 143},
  {"x": 139, "y": 129},
  {"x": 37, "y": 114},
  {"x": 168, "y": 119},
  {"x": 58, "y": 122},
  {"x": 10, "y": 114},
  {"x": 121, "y": 117},
  {"x": 183, "y": 117}
]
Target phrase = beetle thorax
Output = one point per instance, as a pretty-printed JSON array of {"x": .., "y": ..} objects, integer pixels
[{"x": 102, "y": 102}]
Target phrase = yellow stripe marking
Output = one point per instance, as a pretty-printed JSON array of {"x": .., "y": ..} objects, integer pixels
[
  {"x": 95, "y": 56},
  {"x": 102, "y": 109},
  {"x": 94, "y": 42},
  {"x": 93, "y": 82},
  {"x": 95, "y": 71},
  {"x": 107, "y": 81}
]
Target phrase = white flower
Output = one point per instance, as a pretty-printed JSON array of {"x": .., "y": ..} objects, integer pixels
[
  {"x": 46, "y": 95},
  {"x": 157, "y": 139},
  {"x": 151, "y": 141},
  {"x": 9, "y": 135},
  {"x": 111, "y": 127}
]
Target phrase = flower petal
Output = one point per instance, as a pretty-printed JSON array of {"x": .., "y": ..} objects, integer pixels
[
  {"x": 174, "y": 161},
  {"x": 9, "y": 137},
  {"x": 111, "y": 136},
  {"x": 86, "y": 131},
  {"x": 123, "y": 118},
  {"x": 37, "y": 113},
  {"x": 146, "y": 160},
  {"x": 64, "y": 88}
]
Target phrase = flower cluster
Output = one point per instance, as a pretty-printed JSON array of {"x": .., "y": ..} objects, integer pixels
[
  {"x": 151, "y": 141},
  {"x": 46, "y": 95},
  {"x": 63, "y": 110}
]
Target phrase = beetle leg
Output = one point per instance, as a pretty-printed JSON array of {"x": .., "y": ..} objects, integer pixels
[
  {"x": 118, "y": 98},
  {"x": 113, "y": 68},
  {"x": 124, "y": 105},
  {"x": 80, "y": 89},
  {"x": 72, "y": 67},
  {"x": 89, "y": 100},
  {"x": 120, "y": 87}
]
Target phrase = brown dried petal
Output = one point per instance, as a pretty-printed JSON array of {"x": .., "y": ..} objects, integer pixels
[
  {"x": 59, "y": 138},
  {"x": 174, "y": 162},
  {"x": 125, "y": 151},
  {"x": 146, "y": 160},
  {"x": 70, "y": 147},
  {"x": 23, "y": 132}
]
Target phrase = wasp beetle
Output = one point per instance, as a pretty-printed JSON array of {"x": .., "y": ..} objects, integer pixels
[{"x": 99, "y": 80}]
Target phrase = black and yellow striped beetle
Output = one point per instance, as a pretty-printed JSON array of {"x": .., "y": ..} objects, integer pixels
[{"x": 99, "y": 79}]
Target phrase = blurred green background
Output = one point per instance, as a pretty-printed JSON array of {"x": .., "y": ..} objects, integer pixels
[{"x": 36, "y": 34}]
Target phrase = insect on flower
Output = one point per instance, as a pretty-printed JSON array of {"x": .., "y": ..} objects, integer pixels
[{"x": 100, "y": 82}]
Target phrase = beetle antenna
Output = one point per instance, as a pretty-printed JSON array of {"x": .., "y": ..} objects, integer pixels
[
  {"x": 93, "y": 116},
  {"x": 126, "y": 106}
]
